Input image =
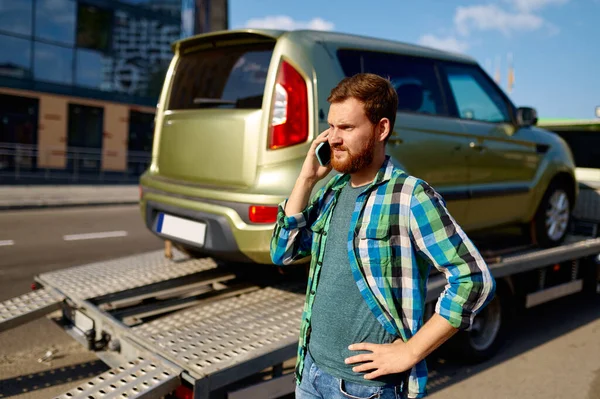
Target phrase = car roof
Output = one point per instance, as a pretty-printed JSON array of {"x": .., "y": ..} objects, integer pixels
[{"x": 346, "y": 40}]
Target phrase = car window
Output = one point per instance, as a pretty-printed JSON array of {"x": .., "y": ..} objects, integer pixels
[
  {"x": 222, "y": 77},
  {"x": 475, "y": 97},
  {"x": 414, "y": 79}
]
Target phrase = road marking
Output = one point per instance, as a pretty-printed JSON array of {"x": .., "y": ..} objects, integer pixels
[
  {"x": 6, "y": 243},
  {"x": 92, "y": 236}
]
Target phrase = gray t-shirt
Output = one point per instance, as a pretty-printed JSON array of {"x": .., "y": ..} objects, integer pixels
[{"x": 340, "y": 316}]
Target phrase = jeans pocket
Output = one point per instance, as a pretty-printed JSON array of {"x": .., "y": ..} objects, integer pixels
[{"x": 353, "y": 390}]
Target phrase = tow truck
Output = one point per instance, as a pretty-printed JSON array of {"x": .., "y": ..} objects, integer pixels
[{"x": 168, "y": 325}]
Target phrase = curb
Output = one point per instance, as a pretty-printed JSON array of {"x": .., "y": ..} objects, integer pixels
[{"x": 18, "y": 207}]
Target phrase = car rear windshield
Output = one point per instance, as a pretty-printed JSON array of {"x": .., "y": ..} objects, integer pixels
[{"x": 227, "y": 77}]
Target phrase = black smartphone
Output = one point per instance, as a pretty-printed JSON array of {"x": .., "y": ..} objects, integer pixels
[{"x": 323, "y": 153}]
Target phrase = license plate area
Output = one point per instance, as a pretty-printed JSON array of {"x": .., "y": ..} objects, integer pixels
[{"x": 180, "y": 228}]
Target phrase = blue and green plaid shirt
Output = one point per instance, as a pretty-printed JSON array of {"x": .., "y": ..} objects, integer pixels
[{"x": 400, "y": 227}]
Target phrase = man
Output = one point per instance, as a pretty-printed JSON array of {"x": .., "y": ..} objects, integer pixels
[{"x": 373, "y": 232}]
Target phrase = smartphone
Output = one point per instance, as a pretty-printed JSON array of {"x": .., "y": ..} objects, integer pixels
[{"x": 323, "y": 153}]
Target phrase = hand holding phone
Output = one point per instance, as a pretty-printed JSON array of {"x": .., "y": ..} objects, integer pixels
[{"x": 323, "y": 153}]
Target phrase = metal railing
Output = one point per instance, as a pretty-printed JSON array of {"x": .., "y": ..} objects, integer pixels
[{"x": 25, "y": 163}]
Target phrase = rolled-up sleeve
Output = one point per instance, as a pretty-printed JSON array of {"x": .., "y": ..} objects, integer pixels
[
  {"x": 292, "y": 236},
  {"x": 442, "y": 242}
]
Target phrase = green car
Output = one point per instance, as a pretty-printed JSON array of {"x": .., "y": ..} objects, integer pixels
[{"x": 239, "y": 109}]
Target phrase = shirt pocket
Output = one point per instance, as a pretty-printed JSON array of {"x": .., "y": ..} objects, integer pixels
[{"x": 373, "y": 244}]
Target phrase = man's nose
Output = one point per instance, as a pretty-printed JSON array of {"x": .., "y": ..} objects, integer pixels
[{"x": 334, "y": 137}]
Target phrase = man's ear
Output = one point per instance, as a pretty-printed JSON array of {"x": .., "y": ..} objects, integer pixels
[{"x": 383, "y": 129}]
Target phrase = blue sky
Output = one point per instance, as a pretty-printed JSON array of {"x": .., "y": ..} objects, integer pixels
[{"x": 552, "y": 42}]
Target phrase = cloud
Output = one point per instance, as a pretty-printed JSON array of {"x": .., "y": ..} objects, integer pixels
[
  {"x": 448, "y": 43},
  {"x": 287, "y": 23},
  {"x": 532, "y": 5},
  {"x": 491, "y": 17}
]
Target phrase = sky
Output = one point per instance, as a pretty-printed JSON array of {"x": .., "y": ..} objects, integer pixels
[{"x": 552, "y": 43}]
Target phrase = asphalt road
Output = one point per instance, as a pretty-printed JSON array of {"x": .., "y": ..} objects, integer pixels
[
  {"x": 553, "y": 353},
  {"x": 38, "y": 241}
]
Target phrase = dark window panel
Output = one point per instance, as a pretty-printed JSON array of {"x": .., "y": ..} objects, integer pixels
[
  {"x": 55, "y": 20},
  {"x": 15, "y": 57},
  {"x": 53, "y": 63},
  {"x": 15, "y": 16}
]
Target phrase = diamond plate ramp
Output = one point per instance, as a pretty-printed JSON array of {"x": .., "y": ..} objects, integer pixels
[
  {"x": 212, "y": 338},
  {"x": 108, "y": 277},
  {"x": 28, "y": 307},
  {"x": 140, "y": 378}
]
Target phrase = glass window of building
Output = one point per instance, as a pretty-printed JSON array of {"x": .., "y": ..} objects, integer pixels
[
  {"x": 93, "y": 69},
  {"x": 53, "y": 63},
  {"x": 85, "y": 137},
  {"x": 15, "y": 16},
  {"x": 55, "y": 20},
  {"x": 94, "y": 25},
  {"x": 129, "y": 47},
  {"x": 141, "y": 130},
  {"x": 166, "y": 7},
  {"x": 15, "y": 57},
  {"x": 142, "y": 51},
  {"x": 18, "y": 132}
]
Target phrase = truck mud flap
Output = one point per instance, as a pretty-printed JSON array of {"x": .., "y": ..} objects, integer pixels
[
  {"x": 28, "y": 307},
  {"x": 144, "y": 377}
]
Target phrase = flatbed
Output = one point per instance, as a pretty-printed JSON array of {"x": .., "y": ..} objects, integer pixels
[{"x": 180, "y": 327}]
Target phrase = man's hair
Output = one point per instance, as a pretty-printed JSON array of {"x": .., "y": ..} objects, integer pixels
[{"x": 376, "y": 93}]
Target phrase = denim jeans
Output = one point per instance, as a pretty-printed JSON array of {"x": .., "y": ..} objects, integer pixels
[{"x": 317, "y": 384}]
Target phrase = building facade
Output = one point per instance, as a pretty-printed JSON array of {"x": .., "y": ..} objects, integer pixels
[{"x": 80, "y": 79}]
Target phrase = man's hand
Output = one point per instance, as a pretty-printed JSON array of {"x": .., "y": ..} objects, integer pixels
[
  {"x": 311, "y": 173},
  {"x": 384, "y": 358},
  {"x": 400, "y": 356},
  {"x": 312, "y": 169}
]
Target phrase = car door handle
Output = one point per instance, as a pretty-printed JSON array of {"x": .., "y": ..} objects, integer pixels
[{"x": 476, "y": 146}]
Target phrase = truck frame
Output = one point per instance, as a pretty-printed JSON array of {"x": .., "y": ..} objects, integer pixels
[{"x": 173, "y": 326}]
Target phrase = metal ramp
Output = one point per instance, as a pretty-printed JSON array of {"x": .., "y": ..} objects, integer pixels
[
  {"x": 28, "y": 307},
  {"x": 96, "y": 280},
  {"x": 257, "y": 330},
  {"x": 109, "y": 277},
  {"x": 144, "y": 377}
]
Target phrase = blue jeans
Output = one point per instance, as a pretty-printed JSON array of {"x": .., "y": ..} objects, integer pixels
[{"x": 317, "y": 384}]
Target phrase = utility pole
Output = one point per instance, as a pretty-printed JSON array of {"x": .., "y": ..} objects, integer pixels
[{"x": 511, "y": 73}]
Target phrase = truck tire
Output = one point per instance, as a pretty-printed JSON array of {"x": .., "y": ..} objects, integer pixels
[
  {"x": 489, "y": 331},
  {"x": 551, "y": 221}
]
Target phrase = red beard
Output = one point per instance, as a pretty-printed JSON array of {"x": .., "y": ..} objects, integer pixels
[{"x": 353, "y": 162}]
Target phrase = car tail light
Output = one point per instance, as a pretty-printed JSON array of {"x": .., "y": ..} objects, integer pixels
[
  {"x": 289, "y": 111},
  {"x": 263, "y": 214},
  {"x": 183, "y": 392}
]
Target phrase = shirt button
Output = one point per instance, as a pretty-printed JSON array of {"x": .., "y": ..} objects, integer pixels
[{"x": 312, "y": 292}]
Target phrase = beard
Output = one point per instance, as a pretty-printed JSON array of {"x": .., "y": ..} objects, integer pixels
[{"x": 354, "y": 162}]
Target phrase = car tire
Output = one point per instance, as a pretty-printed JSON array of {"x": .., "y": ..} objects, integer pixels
[
  {"x": 489, "y": 331},
  {"x": 553, "y": 217}
]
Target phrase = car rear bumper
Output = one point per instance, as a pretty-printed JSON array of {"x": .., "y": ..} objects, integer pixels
[{"x": 228, "y": 236}]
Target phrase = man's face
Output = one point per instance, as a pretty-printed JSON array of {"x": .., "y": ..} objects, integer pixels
[{"x": 351, "y": 136}]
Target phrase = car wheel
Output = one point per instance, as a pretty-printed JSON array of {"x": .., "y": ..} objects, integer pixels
[{"x": 551, "y": 222}]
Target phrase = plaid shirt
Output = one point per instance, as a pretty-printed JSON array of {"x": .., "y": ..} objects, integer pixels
[{"x": 399, "y": 228}]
